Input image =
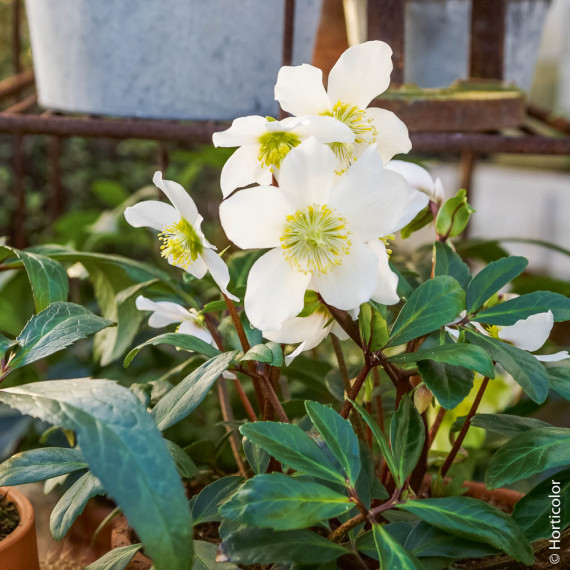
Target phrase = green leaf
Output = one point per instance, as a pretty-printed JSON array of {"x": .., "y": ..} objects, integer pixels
[
  {"x": 522, "y": 366},
  {"x": 380, "y": 438},
  {"x": 531, "y": 452},
  {"x": 532, "y": 513},
  {"x": 421, "y": 220},
  {"x": 116, "y": 559},
  {"x": 5, "y": 345},
  {"x": 407, "y": 435},
  {"x": 47, "y": 278},
  {"x": 373, "y": 327},
  {"x": 491, "y": 279},
  {"x": 257, "y": 458},
  {"x": 474, "y": 520},
  {"x": 185, "y": 397},
  {"x": 266, "y": 546},
  {"x": 289, "y": 444},
  {"x": 513, "y": 310},
  {"x": 205, "y": 557},
  {"x": 432, "y": 305},
  {"x": 40, "y": 464},
  {"x": 447, "y": 262},
  {"x": 281, "y": 502},
  {"x": 72, "y": 503},
  {"x": 185, "y": 466},
  {"x": 124, "y": 450},
  {"x": 454, "y": 215},
  {"x": 339, "y": 437},
  {"x": 270, "y": 353},
  {"x": 179, "y": 340},
  {"x": 449, "y": 384},
  {"x": 506, "y": 424},
  {"x": 205, "y": 506},
  {"x": 391, "y": 553},
  {"x": 55, "y": 328},
  {"x": 457, "y": 354},
  {"x": 559, "y": 380}
]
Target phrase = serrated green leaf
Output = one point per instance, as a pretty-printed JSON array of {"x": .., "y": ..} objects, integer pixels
[
  {"x": 527, "y": 371},
  {"x": 124, "y": 450},
  {"x": 116, "y": 559},
  {"x": 339, "y": 437},
  {"x": 281, "y": 502},
  {"x": 54, "y": 329},
  {"x": 491, "y": 279},
  {"x": 47, "y": 277},
  {"x": 185, "y": 466},
  {"x": 391, "y": 553},
  {"x": 432, "y": 305},
  {"x": 513, "y": 310},
  {"x": 72, "y": 503},
  {"x": 506, "y": 424},
  {"x": 257, "y": 458},
  {"x": 447, "y": 262},
  {"x": 205, "y": 557},
  {"x": 532, "y": 513},
  {"x": 474, "y": 520},
  {"x": 531, "y": 452},
  {"x": 449, "y": 384},
  {"x": 5, "y": 345},
  {"x": 205, "y": 506},
  {"x": 289, "y": 444},
  {"x": 457, "y": 354},
  {"x": 559, "y": 380},
  {"x": 185, "y": 397},
  {"x": 407, "y": 435},
  {"x": 40, "y": 464},
  {"x": 270, "y": 353},
  {"x": 179, "y": 340},
  {"x": 266, "y": 546}
]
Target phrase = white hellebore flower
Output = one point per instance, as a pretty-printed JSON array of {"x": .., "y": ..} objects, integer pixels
[
  {"x": 183, "y": 243},
  {"x": 361, "y": 73},
  {"x": 265, "y": 142},
  {"x": 419, "y": 178},
  {"x": 527, "y": 334},
  {"x": 318, "y": 226},
  {"x": 165, "y": 313}
]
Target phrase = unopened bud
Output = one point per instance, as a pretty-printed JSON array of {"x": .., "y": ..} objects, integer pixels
[{"x": 422, "y": 399}]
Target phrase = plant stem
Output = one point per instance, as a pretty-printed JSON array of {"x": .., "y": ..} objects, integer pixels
[
  {"x": 228, "y": 416},
  {"x": 435, "y": 426},
  {"x": 345, "y": 321},
  {"x": 341, "y": 363},
  {"x": 274, "y": 400},
  {"x": 379, "y": 403},
  {"x": 457, "y": 443},
  {"x": 355, "y": 388}
]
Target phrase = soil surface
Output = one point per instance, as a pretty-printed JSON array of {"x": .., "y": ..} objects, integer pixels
[{"x": 9, "y": 517}]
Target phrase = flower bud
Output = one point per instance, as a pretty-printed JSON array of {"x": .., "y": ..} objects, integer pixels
[{"x": 422, "y": 399}]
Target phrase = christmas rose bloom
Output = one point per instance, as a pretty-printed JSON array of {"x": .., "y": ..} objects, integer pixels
[
  {"x": 320, "y": 229},
  {"x": 419, "y": 178},
  {"x": 183, "y": 243},
  {"x": 165, "y": 313},
  {"x": 264, "y": 142},
  {"x": 361, "y": 73}
]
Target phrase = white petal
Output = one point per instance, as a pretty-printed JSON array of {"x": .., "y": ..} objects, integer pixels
[
  {"x": 243, "y": 168},
  {"x": 151, "y": 214},
  {"x": 194, "y": 329},
  {"x": 219, "y": 271},
  {"x": 164, "y": 312},
  {"x": 338, "y": 331},
  {"x": 374, "y": 200},
  {"x": 180, "y": 199},
  {"x": 275, "y": 292},
  {"x": 361, "y": 73},
  {"x": 416, "y": 176},
  {"x": 307, "y": 174},
  {"x": 198, "y": 268},
  {"x": 530, "y": 333},
  {"x": 387, "y": 289},
  {"x": 557, "y": 356},
  {"x": 439, "y": 193},
  {"x": 324, "y": 129},
  {"x": 299, "y": 329},
  {"x": 393, "y": 137},
  {"x": 244, "y": 131},
  {"x": 352, "y": 283},
  {"x": 300, "y": 90},
  {"x": 254, "y": 217}
]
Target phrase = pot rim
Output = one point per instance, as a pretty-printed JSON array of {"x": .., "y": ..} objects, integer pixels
[{"x": 27, "y": 519}]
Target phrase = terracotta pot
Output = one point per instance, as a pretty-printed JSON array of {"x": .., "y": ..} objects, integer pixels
[{"x": 19, "y": 550}]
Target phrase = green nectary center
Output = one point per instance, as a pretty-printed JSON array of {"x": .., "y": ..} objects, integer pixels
[
  {"x": 181, "y": 244},
  {"x": 315, "y": 239},
  {"x": 361, "y": 125},
  {"x": 274, "y": 147}
]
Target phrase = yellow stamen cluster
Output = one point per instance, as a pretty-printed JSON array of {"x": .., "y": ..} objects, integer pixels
[
  {"x": 181, "y": 245},
  {"x": 386, "y": 241},
  {"x": 315, "y": 239},
  {"x": 274, "y": 147},
  {"x": 493, "y": 331},
  {"x": 362, "y": 127}
]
